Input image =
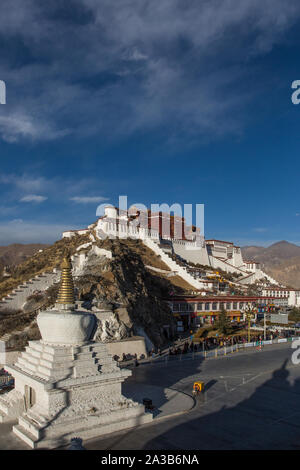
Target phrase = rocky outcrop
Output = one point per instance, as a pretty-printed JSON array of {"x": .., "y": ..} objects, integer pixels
[
  {"x": 111, "y": 327},
  {"x": 135, "y": 295},
  {"x": 111, "y": 280}
]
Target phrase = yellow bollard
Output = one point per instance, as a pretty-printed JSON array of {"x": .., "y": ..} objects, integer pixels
[{"x": 198, "y": 387}]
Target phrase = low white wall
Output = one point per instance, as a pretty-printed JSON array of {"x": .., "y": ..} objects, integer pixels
[
  {"x": 257, "y": 276},
  {"x": 225, "y": 266},
  {"x": 134, "y": 345},
  {"x": 8, "y": 358},
  {"x": 79, "y": 259}
]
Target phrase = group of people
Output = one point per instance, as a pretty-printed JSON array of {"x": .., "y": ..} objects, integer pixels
[
  {"x": 215, "y": 342},
  {"x": 183, "y": 349},
  {"x": 205, "y": 344},
  {"x": 128, "y": 357}
]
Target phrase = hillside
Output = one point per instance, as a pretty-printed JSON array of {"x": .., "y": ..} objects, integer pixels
[
  {"x": 14, "y": 254},
  {"x": 134, "y": 293},
  {"x": 280, "y": 260}
]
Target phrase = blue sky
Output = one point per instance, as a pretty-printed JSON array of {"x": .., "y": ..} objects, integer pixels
[{"x": 154, "y": 100}]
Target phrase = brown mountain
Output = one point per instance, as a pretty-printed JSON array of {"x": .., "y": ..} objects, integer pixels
[
  {"x": 280, "y": 260},
  {"x": 14, "y": 254}
]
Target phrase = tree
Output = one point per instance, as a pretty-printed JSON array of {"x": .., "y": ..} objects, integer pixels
[
  {"x": 223, "y": 323},
  {"x": 294, "y": 314}
]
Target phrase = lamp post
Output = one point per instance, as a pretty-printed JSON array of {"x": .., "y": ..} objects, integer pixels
[
  {"x": 249, "y": 311},
  {"x": 248, "y": 316}
]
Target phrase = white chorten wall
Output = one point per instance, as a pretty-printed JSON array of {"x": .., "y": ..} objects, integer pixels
[
  {"x": 191, "y": 252},
  {"x": 79, "y": 259}
]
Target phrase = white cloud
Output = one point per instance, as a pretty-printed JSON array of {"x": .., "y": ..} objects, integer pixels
[
  {"x": 160, "y": 63},
  {"x": 260, "y": 229},
  {"x": 88, "y": 199},
  {"x": 23, "y": 182},
  {"x": 17, "y": 125},
  {"x": 33, "y": 198},
  {"x": 19, "y": 231},
  {"x": 36, "y": 187}
]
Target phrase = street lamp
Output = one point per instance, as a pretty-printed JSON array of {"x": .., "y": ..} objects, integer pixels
[
  {"x": 249, "y": 311},
  {"x": 265, "y": 325}
]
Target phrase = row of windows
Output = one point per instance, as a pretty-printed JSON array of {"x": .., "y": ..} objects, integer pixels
[
  {"x": 192, "y": 307},
  {"x": 279, "y": 294}
]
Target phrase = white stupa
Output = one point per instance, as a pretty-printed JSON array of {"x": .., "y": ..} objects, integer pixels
[{"x": 66, "y": 385}]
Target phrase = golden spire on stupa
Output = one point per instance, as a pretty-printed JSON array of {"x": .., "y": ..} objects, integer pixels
[{"x": 66, "y": 294}]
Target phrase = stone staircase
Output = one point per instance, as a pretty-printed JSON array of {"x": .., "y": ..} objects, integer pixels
[
  {"x": 258, "y": 275},
  {"x": 16, "y": 299},
  {"x": 173, "y": 266}
]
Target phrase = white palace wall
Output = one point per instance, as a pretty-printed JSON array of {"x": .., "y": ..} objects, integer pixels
[{"x": 191, "y": 252}]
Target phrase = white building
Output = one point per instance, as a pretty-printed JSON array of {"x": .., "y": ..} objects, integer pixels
[
  {"x": 251, "y": 265},
  {"x": 122, "y": 224},
  {"x": 162, "y": 227},
  {"x": 72, "y": 233},
  {"x": 289, "y": 297}
]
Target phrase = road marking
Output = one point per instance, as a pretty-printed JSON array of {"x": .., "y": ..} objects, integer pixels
[{"x": 233, "y": 376}]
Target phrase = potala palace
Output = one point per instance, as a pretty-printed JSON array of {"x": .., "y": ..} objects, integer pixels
[
  {"x": 186, "y": 252},
  {"x": 169, "y": 235},
  {"x": 201, "y": 263}
]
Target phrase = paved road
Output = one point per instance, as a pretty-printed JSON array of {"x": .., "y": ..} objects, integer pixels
[{"x": 252, "y": 401}]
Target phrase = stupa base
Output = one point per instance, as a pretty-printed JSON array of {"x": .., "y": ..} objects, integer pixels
[
  {"x": 86, "y": 427},
  {"x": 68, "y": 391}
]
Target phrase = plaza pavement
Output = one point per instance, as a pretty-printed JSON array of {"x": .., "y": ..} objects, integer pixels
[{"x": 251, "y": 401}]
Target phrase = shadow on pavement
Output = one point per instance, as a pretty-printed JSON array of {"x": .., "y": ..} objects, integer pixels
[{"x": 268, "y": 419}]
